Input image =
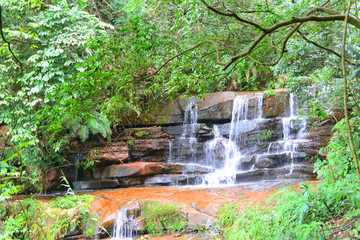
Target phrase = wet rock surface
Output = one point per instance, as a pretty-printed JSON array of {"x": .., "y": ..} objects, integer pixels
[
  {"x": 176, "y": 154},
  {"x": 200, "y": 205}
]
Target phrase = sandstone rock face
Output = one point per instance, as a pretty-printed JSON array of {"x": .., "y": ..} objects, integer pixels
[
  {"x": 276, "y": 106},
  {"x": 131, "y": 169},
  {"x": 265, "y": 163},
  {"x": 114, "y": 153},
  {"x": 176, "y": 154}
]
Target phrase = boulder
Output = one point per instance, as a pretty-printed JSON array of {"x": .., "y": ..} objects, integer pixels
[
  {"x": 212, "y": 107},
  {"x": 149, "y": 150},
  {"x": 276, "y": 106},
  {"x": 189, "y": 168},
  {"x": 131, "y": 169},
  {"x": 247, "y": 162},
  {"x": 139, "y": 224},
  {"x": 199, "y": 219},
  {"x": 265, "y": 163},
  {"x": 216, "y": 106}
]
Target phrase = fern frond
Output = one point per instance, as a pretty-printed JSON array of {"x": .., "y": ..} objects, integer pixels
[
  {"x": 71, "y": 120},
  {"x": 93, "y": 125},
  {"x": 83, "y": 133},
  {"x": 99, "y": 124},
  {"x": 75, "y": 128}
]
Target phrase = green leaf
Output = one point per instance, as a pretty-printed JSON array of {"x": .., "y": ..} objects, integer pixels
[{"x": 83, "y": 133}]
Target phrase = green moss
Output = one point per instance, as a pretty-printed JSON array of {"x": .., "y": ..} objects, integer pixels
[
  {"x": 141, "y": 133},
  {"x": 163, "y": 120}
]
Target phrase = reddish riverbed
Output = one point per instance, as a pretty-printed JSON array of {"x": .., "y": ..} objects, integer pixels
[{"x": 204, "y": 200}]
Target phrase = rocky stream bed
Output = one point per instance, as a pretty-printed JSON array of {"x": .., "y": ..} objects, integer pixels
[{"x": 225, "y": 147}]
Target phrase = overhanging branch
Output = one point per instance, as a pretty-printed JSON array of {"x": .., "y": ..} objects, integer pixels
[
  {"x": 335, "y": 16},
  {"x": 325, "y": 48},
  {"x": 232, "y": 14},
  {"x": 218, "y": 61},
  {"x": 8, "y": 43}
]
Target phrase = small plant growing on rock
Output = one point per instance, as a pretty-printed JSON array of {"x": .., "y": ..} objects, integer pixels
[
  {"x": 265, "y": 136},
  {"x": 162, "y": 217},
  {"x": 270, "y": 92}
]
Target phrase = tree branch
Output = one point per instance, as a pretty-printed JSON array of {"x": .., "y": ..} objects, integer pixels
[
  {"x": 189, "y": 49},
  {"x": 325, "y": 48},
  {"x": 232, "y": 14},
  {"x": 8, "y": 43},
  {"x": 14, "y": 178},
  {"x": 351, "y": 141},
  {"x": 335, "y": 16}
]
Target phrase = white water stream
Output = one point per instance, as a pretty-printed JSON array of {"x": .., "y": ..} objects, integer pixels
[
  {"x": 123, "y": 226},
  {"x": 225, "y": 154},
  {"x": 227, "y": 151}
]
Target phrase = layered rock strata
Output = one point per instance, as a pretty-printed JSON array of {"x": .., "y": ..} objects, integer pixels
[{"x": 157, "y": 155}]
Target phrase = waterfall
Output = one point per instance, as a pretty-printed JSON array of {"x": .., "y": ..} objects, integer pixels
[
  {"x": 290, "y": 144},
  {"x": 123, "y": 226},
  {"x": 245, "y": 144},
  {"x": 259, "y": 106},
  {"x": 225, "y": 154},
  {"x": 239, "y": 117},
  {"x": 170, "y": 151},
  {"x": 188, "y": 141},
  {"x": 77, "y": 158}
]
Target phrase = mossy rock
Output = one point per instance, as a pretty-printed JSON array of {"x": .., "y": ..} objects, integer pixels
[{"x": 163, "y": 218}]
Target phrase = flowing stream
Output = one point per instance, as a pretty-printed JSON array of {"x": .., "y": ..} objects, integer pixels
[{"x": 231, "y": 149}]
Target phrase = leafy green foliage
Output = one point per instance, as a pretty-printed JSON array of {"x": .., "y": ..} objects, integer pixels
[
  {"x": 296, "y": 215},
  {"x": 162, "y": 217},
  {"x": 265, "y": 136},
  {"x": 306, "y": 214},
  {"x": 269, "y": 92},
  {"x": 339, "y": 163},
  {"x": 33, "y": 219}
]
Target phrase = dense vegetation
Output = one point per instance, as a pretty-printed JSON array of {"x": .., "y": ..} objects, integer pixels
[{"x": 75, "y": 68}]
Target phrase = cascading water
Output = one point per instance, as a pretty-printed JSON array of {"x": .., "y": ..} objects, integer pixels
[
  {"x": 290, "y": 143},
  {"x": 226, "y": 152},
  {"x": 241, "y": 146},
  {"x": 123, "y": 229},
  {"x": 224, "y": 155},
  {"x": 188, "y": 143}
]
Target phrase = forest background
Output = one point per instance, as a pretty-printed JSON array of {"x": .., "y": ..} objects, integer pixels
[{"x": 75, "y": 68}]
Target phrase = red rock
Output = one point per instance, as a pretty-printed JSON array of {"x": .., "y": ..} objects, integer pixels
[
  {"x": 131, "y": 169},
  {"x": 140, "y": 224},
  {"x": 275, "y": 106},
  {"x": 199, "y": 219}
]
